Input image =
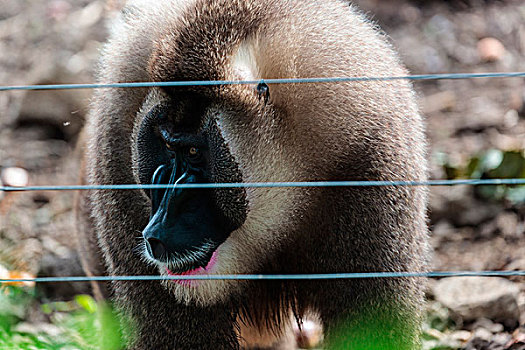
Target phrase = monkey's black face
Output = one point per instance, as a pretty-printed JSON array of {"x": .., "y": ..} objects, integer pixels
[{"x": 186, "y": 226}]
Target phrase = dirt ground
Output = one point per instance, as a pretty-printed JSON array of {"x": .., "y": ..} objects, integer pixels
[{"x": 57, "y": 41}]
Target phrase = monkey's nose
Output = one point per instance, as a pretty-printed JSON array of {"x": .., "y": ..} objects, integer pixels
[{"x": 156, "y": 248}]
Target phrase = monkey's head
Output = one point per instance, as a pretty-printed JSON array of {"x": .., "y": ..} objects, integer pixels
[
  {"x": 187, "y": 225},
  {"x": 243, "y": 133},
  {"x": 179, "y": 142},
  {"x": 192, "y": 136}
]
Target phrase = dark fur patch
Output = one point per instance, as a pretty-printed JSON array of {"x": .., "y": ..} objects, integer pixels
[
  {"x": 224, "y": 168},
  {"x": 195, "y": 52}
]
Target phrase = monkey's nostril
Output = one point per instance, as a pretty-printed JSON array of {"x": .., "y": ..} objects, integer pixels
[{"x": 157, "y": 248}]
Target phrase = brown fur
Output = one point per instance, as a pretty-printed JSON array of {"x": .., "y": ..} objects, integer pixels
[{"x": 332, "y": 131}]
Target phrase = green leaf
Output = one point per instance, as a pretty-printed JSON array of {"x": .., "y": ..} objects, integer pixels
[
  {"x": 491, "y": 160},
  {"x": 516, "y": 195},
  {"x": 473, "y": 170},
  {"x": 511, "y": 166},
  {"x": 87, "y": 303},
  {"x": 110, "y": 329}
]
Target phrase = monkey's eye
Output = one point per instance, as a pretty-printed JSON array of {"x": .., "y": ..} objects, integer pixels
[{"x": 194, "y": 154}]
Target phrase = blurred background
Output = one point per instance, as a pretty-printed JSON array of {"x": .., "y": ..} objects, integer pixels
[{"x": 475, "y": 128}]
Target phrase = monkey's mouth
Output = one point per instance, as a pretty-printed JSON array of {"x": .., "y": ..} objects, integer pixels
[{"x": 180, "y": 267}]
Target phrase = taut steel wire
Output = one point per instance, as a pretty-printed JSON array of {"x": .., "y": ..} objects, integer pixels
[
  {"x": 317, "y": 276},
  {"x": 267, "y": 81},
  {"x": 327, "y": 276}
]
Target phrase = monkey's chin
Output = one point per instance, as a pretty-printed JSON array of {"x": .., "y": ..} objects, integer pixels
[
  {"x": 204, "y": 292},
  {"x": 194, "y": 272}
]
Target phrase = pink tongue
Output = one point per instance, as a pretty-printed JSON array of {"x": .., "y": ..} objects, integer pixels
[{"x": 197, "y": 271}]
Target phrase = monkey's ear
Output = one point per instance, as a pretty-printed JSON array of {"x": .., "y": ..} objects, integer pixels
[{"x": 245, "y": 67}]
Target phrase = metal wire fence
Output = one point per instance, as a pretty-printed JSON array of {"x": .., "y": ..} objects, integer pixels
[
  {"x": 327, "y": 276},
  {"x": 317, "y": 276},
  {"x": 473, "y": 182},
  {"x": 266, "y": 81}
]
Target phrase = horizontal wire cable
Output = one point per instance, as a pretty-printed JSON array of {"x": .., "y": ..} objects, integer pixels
[
  {"x": 317, "y": 276},
  {"x": 474, "y": 182},
  {"x": 516, "y": 181},
  {"x": 267, "y": 81}
]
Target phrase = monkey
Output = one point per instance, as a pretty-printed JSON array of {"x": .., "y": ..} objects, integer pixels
[{"x": 241, "y": 133}]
